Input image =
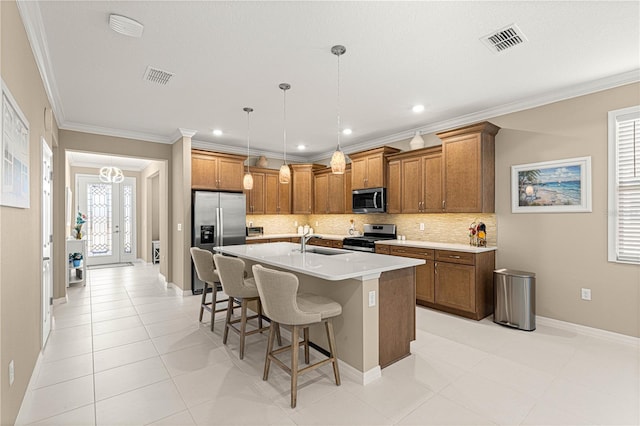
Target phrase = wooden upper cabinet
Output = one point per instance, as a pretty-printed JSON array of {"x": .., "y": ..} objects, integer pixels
[
  {"x": 216, "y": 171},
  {"x": 329, "y": 192},
  {"x": 348, "y": 197},
  {"x": 302, "y": 178},
  {"x": 278, "y": 195},
  {"x": 414, "y": 181},
  {"x": 394, "y": 187},
  {"x": 268, "y": 195},
  {"x": 369, "y": 168},
  {"x": 469, "y": 168},
  {"x": 256, "y": 197}
]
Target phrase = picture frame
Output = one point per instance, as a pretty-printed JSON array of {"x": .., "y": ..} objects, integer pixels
[
  {"x": 14, "y": 153},
  {"x": 559, "y": 186}
]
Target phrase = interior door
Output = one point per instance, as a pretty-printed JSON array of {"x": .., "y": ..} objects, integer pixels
[
  {"x": 47, "y": 239},
  {"x": 111, "y": 225}
]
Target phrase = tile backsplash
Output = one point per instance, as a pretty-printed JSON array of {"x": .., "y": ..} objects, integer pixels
[{"x": 440, "y": 227}]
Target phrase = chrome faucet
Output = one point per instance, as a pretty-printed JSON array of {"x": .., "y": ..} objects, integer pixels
[{"x": 305, "y": 239}]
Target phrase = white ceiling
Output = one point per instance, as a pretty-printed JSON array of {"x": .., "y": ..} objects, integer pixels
[
  {"x": 228, "y": 55},
  {"x": 96, "y": 161}
]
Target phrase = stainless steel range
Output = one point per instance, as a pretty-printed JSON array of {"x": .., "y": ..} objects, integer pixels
[{"x": 372, "y": 233}]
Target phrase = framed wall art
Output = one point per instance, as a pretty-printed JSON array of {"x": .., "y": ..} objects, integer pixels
[
  {"x": 14, "y": 163},
  {"x": 558, "y": 186}
]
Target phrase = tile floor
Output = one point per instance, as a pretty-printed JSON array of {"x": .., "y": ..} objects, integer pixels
[{"x": 127, "y": 351}]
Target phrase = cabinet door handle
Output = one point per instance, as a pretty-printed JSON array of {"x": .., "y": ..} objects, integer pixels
[
  {"x": 443, "y": 204},
  {"x": 435, "y": 267}
]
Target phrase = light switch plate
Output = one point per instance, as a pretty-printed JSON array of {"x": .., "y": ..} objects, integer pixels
[
  {"x": 372, "y": 298},
  {"x": 179, "y": 227}
]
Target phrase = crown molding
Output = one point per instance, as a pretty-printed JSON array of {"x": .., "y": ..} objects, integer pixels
[
  {"x": 186, "y": 133},
  {"x": 229, "y": 149},
  {"x": 118, "y": 133},
  {"x": 569, "y": 92},
  {"x": 34, "y": 27}
]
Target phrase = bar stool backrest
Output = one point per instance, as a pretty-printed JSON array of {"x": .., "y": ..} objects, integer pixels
[
  {"x": 205, "y": 268},
  {"x": 278, "y": 291}
]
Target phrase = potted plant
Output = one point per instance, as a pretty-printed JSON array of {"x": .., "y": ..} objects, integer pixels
[{"x": 75, "y": 259}]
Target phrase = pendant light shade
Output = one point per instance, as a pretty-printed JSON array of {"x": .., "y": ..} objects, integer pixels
[
  {"x": 247, "y": 181},
  {"x": 338, "y": 160},
  {"x": 285, "y": 173}
]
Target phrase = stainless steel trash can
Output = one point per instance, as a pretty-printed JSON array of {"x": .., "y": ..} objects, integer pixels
[{"x": 514, "y": 297}]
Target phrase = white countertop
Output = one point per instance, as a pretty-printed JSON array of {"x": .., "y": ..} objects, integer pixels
[
  {"x": 350, "y": 264},
  {"x": 294, "y": 235},
  {"x": 437, "y": 246}
]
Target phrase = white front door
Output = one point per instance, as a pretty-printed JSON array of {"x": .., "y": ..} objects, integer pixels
[
  {"x": 47, "y": 239},
  {"x": 110, "y": 226}
]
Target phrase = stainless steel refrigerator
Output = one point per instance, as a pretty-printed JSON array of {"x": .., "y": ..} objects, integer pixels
[{"x": 219, "y": 219}]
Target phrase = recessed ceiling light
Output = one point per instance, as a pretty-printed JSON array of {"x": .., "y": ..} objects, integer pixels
[
  {"x": 418, "y": 108},
  {"x": 347, "y": 132},
  {"x": 217, "y": 132},
  {"x": 301, "y": 147},
  {"x": 126, "y": 26}
]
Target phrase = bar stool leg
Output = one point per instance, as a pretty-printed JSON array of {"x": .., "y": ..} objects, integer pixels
[
  {"x": 277, "y": 331},
  {"x": 332, "y": 349},
  {"x": 294, "y": 365},
  {"x": 227, "y": 322},
  {"x": 306, "y": 345},
  {"x": 267, "y": 360},
  {"x": 204, "y": 299},
  {"x": 243, "y": 325},
  {"x": 214, "y": 290},
  {"x": 259, "y": 314}
]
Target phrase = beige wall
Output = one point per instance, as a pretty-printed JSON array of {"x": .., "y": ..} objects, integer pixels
[
  {"x": 567, "y": 251},
  {"x": 20, "y": 229},
  {"x": 181, "y": 189},
  {"x": 154, "y": 212}
]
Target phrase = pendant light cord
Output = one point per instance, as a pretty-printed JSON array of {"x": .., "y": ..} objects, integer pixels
[
  {"x": 284, "y": 130},
  {"x": 338, "y": 108},
  {"x": 248, "y": 111}
]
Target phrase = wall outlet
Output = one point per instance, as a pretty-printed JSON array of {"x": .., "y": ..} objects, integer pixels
[
  {"x": 317, "y": 223},
  {"x": 295, "y": 223},
  {"x": 421, "y": 226},
  {"x": 585, "y": 293},
  {"x": 12, "y": 373},
  {"x": 372, "y": 298},
  {"x": 179, "y": 227}
]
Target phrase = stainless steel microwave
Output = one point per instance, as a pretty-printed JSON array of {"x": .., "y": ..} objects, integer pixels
[{"x": 370, "y": 200}]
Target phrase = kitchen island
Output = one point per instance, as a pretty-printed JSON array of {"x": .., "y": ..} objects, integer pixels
[{"x": 377, "y": 294}]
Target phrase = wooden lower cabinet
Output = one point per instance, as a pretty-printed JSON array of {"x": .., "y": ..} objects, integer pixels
[
  {"x": 325, "y": 242},
  {"x": 460, "y": 283},
  {"x": 396, "y": 292},
  {"x": 274, "y": 240}
]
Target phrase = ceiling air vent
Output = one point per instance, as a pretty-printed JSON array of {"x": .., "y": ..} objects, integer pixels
[
  {"x": 158, "y": 76},
  {"x": 504, "y": 38}
]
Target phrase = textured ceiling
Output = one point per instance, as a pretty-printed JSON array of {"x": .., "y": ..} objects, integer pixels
[{"x": 228, "y": 55}]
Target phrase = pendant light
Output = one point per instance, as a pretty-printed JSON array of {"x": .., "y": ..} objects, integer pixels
[
  {"x": 338, "y": 161},
  {"x": 285, "y": 173},
  {"x": 247, "y": 181}
]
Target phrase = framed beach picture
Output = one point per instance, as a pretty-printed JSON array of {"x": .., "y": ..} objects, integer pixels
[
  {"x": 559, "y": 186},
  {"x": 14, "y": 146}
]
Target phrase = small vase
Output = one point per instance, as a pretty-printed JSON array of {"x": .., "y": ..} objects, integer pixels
[{"x": 78, "y": 235}]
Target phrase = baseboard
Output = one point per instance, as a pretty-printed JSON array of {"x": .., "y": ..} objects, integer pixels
[
  {"x": 179, "y": 291},
  {"x": 589, "y": 331},
  {"x": 60, "y": 300},
  {"x": 32, "y": 380}
]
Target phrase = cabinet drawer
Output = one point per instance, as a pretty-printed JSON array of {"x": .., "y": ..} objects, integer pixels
[
  {"x": 415, "y": 252},
  {"x": 461, "y": 257},
  {"x": 280, "y": 240},
  {"x": 382, "y": 249}
]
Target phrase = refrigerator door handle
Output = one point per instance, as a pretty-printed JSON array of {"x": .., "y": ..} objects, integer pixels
[
  {"x": 217, "y": 242},
  {"x": 221, "y": 227}
]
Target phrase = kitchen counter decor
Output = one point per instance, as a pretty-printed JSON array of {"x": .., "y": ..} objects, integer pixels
[{"x": 477, "y": 234}]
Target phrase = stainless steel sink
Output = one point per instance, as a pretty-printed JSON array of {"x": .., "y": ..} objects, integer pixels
[{"x": 325, "y": 251}]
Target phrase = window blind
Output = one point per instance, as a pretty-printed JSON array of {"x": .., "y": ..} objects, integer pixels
[{"x": 627, "y": 187}]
